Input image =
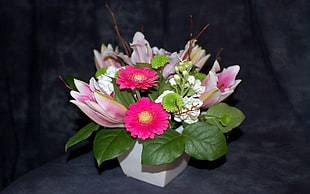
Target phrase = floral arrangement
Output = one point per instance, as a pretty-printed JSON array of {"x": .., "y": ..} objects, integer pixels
[{"x": 160, "y": 99}]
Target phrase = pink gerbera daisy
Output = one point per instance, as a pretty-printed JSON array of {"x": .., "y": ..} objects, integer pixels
[
  {"x": 131, "y": 77},
  {"x": 146, "y": 118}
]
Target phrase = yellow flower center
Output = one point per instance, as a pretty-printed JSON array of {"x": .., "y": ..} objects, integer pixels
[
  {"x": 138, "y": 77},
  {"x": 145, "y": 117}
]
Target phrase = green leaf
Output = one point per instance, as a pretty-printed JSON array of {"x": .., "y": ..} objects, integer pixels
[
  {"x": 143, "y": 65},
  {"x": 225, "y": 119},
  {"x": 163, "y": 148},
  {"x": 82, "y": 134},
  {"x": 204, "y": 141},
  {"x": 101, "y": 71},
  {"x": 110, "y": 143},
  {"x": 123, "y": 96},
  {"x": 220, "y": 118},
  {"x": 200, "y": 76},
  {"x": 159, "y": 61},
  {"x": 70, "y": 81},
  {"x": 154, "y": 92},
  {"x": 164, "y": 86}
]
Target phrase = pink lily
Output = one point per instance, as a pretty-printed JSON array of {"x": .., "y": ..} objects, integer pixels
[
  {"x": 160, "y": 51},
  {"x": 109, "y": 57},
  {"x": 142, "y": 52},
  {"x": 219, "y": 85},
  {"x": 97, "y": 104},
  {"x": 169, "y": 68},
  {"x": 197, "y": 56}
]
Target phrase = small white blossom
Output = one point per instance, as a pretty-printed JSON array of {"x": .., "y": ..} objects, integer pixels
[
  {"x": 103, "y": 77},
  {"x": 195, "y": 85},
  {"x": 191, "y": 102},
  {"x": 191, "y": 79},
  {"x": 190, "y": 110},
  {"x": 105, "y": 80},
  {"x": 172, "y": 82},
  {"x": 106, "y": 86},
  {"x": 198, "y": 88},
  {"x": 105, "y": 83},
  {"x": 177, "y": 78},
  {"x": 111, "y": 71}
]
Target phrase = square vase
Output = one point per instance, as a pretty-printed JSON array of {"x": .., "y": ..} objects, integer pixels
[{"x": 160, "y": 175}]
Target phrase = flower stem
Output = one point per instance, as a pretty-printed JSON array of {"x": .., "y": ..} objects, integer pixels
[{"x": 138, "y": 95}]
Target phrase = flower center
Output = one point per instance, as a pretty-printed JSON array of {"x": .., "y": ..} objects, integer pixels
[
  {"x": 145, "y": 117},
  {"x": 138, "y": 77},
  {"x": 221, "y": 86}
]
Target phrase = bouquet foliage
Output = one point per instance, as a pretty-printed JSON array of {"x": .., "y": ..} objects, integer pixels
[{"x": 160, "y": 99}]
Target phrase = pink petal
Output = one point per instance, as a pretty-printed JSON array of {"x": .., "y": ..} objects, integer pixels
[
  {"x": 227, "y": 77},
  {"x": 211, "y": 94},
  {"x": 81, "y": 97},
  {"x": 98, "y": 59},
  {"x": 124, "y": 58},
  {"x": 142, "y": 52},
  {"x": 111, "y": 106},
  {"x": 202, "y": 61},
  {"x": 210, "y": 98},
  {"x": 97, "y": 108},
  {"x": 216, "y": 66},
  {"x": 168, "y": 69},
  {"x": 96, "y": 116},
  {"x": 83, "y": 87},
  {"x": 228, "y": 91},
  {"x": 210, "y": 82}
]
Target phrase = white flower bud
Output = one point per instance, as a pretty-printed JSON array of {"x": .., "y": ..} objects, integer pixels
[
  {"x": 176, "y": 69},
  {"x": 172, "y": 82},
  {"x": 185, "y": 74},
  {"x": 177, "y": 78},
  {"x": 191, "y": 79}
]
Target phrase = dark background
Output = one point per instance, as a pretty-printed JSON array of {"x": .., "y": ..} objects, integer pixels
[{"x": 269, "y": 39}]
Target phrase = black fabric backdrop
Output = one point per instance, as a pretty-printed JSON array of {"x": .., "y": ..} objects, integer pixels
[{"x": 269, "y": 39}]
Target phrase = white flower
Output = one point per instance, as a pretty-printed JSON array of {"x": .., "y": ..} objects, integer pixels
[
  {"x": 105, "y": 83},
  {"x": 195, "y": 85},
  {"x": 105, "y": 80},
  {"x": 192, "y": 103},
  {"x": 198, "y": 88},
  {"x": 190, "y": 110},
  {"x": 191, "y": 79},
  {"x": 188, "y": 117},
  {"x": 103, "y": 77},
  {"x": 172, "y": 82},
  {"x": 111, "y": 71}
]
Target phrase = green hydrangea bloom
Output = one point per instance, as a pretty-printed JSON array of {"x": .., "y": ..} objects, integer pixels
[
  {"x": 159, "y": 61},
  {"x": 171, "y": 102}
]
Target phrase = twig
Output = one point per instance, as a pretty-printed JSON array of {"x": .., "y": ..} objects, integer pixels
[
  {"x": 203, "y": 29},
  {"x": 64, "y": 82},
  {"x": 218, "y": 58},
  {"x": 124, "y": 43}
]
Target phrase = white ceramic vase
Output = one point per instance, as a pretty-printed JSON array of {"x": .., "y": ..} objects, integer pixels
[{"x": 160, "y": 175}]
